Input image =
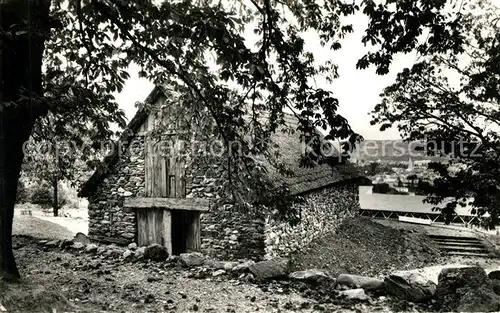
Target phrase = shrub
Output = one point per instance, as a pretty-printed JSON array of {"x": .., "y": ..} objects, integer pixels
[
  {"x": 22, "y": 195},
  {"x": 42, "y": 196}
]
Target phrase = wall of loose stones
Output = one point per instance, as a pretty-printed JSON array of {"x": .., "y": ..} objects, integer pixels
[
  {"x": 107, "y": 218},
  {"x": 227, "y": 233},
  {"x": 321, "y": 212}
]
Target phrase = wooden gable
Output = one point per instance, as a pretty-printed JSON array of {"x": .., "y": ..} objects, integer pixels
[{"x": 164, "y": 169}]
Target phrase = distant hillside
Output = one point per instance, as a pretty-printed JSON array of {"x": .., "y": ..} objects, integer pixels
[{"x": 390, "y": 150}]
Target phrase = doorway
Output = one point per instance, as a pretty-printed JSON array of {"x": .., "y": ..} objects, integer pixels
[{"x": 179, "y": 231}]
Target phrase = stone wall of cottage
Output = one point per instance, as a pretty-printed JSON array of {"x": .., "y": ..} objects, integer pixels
[
  {"x": 320, "y": 212},
  {"x": 107, "y": 218},
  {"x": 229, "y": 234},
  {"x": 226, "y": 233}
]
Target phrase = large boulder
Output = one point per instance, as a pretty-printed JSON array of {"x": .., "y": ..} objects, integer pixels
[
  {"x": 496, "y": 286},
  {"x": 451, "y": 279},
  {"x": 155, "y": 252},
  {"x": 310, "y": 275},
  {"x": 192, "y": 259},
  {"x": 356, "y": 281},
  {"x": 466, "y": 289},
  {"x": 409, "y": 286},
  {"x": 81, "y": 237},
  {"x": 274, "y": 268},
  {"x": 494, "y": 275}
]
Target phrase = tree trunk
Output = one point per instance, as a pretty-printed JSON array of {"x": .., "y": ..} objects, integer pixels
[
  {"x": 21, "y": 53},
  {"x": 55, "y": 200}
]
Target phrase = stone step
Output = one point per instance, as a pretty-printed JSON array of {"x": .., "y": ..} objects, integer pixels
[
  {"x": 465, "y": 249},
  {"x": 459, "y": 243},
  {"x": 454, "y": 238},
  {"x": 470, "y": 254}
]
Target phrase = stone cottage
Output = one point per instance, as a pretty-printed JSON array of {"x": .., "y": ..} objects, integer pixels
[{"x": 145, "y": 197}]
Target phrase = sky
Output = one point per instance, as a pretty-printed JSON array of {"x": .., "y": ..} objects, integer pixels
[{"x": 357, "y": 90}]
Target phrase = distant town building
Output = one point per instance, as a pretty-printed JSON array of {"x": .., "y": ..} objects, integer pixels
[{"x": 410, "y": 165}]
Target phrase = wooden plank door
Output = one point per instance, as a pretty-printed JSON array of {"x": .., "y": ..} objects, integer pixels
[
  {"x": 154, "y": 226},
  {"x": 175, "y": 176},
  {"x": 164, "y": 175},
  {"x": 155, "y": 171}
]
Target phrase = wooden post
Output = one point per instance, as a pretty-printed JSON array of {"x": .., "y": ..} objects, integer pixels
[
  {"x": 167, "y": 230},
  {"x": 193, "y": 237}
]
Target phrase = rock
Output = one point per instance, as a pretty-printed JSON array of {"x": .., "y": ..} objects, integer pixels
[
  {"x": 132, "y": 246},
  {"x": 466, "y": 289},
  {"x": 151, "y": 279},
  {"x": 127, "y": 254},
  {"x": 113, "y": 253},
  {"x": 95, "y": 265},
  {"x": 128, "y": 235},
  {"x": 65, "y": 243},
  {"x": 214, "y": 264},
  {"x": 496, "y": 286},
  {"x": 53, "y": 243},
  {"x": 218, "y": 273},
  {"x": 355, "y": 294},
  {"x": 127, "y": 194},
  {"x": 81, "y": 237},
  {"x": 78, "y": 246},
  {"x": 310, "y": 275},
  {"x": 156, "y": 252},
  {"x": 451, "y": 279},
  {"x": 243, "y": 267},
  {"x": 101, "y": 250},
  {"x": 481, "y": 299},
  {"x": 494, "y": 275},
  {"x": 228, "y": 266},
  {"x": 139, "y": 253},
  {"x": 356, "y": 281},
  {"x": 91, "y": 248},
  {"x": 410, "y": 286},
  {"x": 150, "y": 298},
  {"x": 172, "y": 259},
  {"x": 269, "y": 269},
  {"x": 192, "y": 259}
]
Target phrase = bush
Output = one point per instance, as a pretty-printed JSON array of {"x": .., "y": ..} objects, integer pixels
[
  {"x": 42, "y": 196},
  {"x": 22, "y": 195}
]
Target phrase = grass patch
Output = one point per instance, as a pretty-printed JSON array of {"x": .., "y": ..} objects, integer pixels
[{"x": 25, "y": 225}]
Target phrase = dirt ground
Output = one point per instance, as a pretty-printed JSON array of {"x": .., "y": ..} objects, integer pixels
[
  {"x": 62, "y": 281},
  {"x": 59, "y": 281}
]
